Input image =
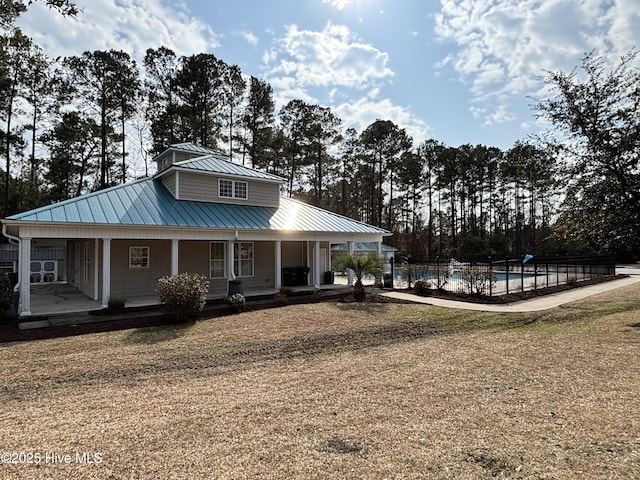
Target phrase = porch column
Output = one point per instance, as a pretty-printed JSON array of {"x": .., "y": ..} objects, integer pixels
[
  {"x": 96, "y": 273},
  {"x": 278, "y": 264},
  {"x": 25, "y": 277},
  {"x": 174, "y": 257},
  {"x": 230, "y": 251},
  {"x": 349, "y": 271},
  {"x": 379, "y": 249},
  {"x": 106, "y": 271},
  {"x": 316, "y": 264}
]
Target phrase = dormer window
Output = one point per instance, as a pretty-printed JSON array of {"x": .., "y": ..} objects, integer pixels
[{"x": 232, "y": 189}]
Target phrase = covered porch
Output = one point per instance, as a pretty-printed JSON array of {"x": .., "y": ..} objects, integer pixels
[
  {"x": 100, "y": 269},
  {"x": 53, "y": 303}
]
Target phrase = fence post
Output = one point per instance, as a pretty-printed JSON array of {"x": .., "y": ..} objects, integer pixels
[
  {"x": 547, "y": 270},
  {"x": 506, "y": 263},
  {"x": 522, "y": 274},
  {"x": 535, "y": 274},
  {"x": 490, "y": 277}
]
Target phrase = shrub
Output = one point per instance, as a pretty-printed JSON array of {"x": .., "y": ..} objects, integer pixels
[
  {"x": 6, "y": 293},
  {"x": 116, "y": 305},
  {"x": 478, "y": 280},
  {"x": 183, "y": 295},
  {"x": 282, "y": 297},
  {"x": 422, "y": 287},
  {"x": 236, "y": 302}
]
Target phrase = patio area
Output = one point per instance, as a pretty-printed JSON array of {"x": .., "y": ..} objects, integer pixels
[{"x": 60, "y": 298}]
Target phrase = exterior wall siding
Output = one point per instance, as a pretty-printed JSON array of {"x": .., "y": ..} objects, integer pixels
[
  {"x": 199, "y": 187},
  {"x": 170, "y": 182},
  {"x": 193, "y": 257},
  {"x": 136, "y": 282},
  {"x": 263, "y": 267},
  {"x": 294, "y": 254}
]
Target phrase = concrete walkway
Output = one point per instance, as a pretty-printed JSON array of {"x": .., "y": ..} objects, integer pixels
[{"x": 535, "y": 304}]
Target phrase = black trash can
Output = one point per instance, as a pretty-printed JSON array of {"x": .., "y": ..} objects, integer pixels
[
  {"x": 387, "y": 280},
  {"x": 235, "y": 286},
  {"x": 302, "y": 275},
  {"x": 290, "y": 276},
  {"x": 328, "y": 278}
]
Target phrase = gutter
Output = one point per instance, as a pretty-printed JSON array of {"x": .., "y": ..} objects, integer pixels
[{"x": 16, "y": 241}]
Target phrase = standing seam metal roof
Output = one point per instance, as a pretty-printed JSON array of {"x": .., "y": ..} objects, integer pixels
[
  {"x": 148, "y": 202},
  {"x": 219, "y": 163}
]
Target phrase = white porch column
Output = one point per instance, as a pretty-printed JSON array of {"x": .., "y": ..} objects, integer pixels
[
  {"x": 316, "y": 264},
  {"x": 230, "y": 250},
  {"x": 174, "y": 257},
  {"x": 350, "y": 272},
  {"x": 106, "y": 271},
  {"x": 379, "y": 249},
  {"x": 25, "y": 277},
  {"x": 278, "y": 264},
  {"x": 96, "y": 273}
]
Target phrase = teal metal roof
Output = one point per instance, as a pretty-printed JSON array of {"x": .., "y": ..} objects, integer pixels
[
  {"x": 148, "y": 203},
  {"x": 192, "y": 148},
  {"x": 220, "y": 163}
]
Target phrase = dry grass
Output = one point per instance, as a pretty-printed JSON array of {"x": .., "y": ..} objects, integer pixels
[{"x": 333, "y": 391}]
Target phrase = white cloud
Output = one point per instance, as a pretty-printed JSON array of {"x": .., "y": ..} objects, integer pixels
[
  {"x": 129, "y": 25},
  {"x": 249, "y": 37},
  {"x": 339, "y": 4},
  {"x": 363, "y": 112},
  {"x": 504, "y": 47},
  {"x": 331, "y": 57}
]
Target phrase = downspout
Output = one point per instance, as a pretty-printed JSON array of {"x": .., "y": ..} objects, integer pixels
[{"x": 16, "y": 241}]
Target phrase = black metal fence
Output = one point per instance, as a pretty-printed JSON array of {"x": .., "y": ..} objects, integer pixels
[{"x": 492, "y": 277}]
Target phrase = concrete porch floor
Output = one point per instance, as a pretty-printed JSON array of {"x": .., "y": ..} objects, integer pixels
[{"x": 60, "y": 298}]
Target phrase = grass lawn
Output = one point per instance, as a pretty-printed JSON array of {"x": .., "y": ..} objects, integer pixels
[{"x": 335, "y": 391}]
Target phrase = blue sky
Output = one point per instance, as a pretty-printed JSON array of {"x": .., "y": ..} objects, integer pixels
[{"x": 459, "y": 71}]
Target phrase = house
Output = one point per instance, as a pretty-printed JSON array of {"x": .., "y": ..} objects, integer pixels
[{"x": 199, "y": 213}]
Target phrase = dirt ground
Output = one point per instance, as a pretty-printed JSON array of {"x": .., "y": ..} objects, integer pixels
[{"x": 334, "y": 390}]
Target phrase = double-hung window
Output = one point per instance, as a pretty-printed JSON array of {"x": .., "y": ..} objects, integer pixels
[
  {"x": 138, "y": 257},
  {"x": 243, "y": 259},
  {"x": 232, "y": 189},
  {"x": 217, "y": 260}
]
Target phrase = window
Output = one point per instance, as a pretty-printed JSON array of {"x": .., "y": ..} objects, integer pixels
[
  {"x": 225, "y": 188},
  {"x": 138, "y": 257},
  {"x": 217, "y": 260},
  {"x": 240, "y": 190},
  {"x": 243, "y": 259},
  {"x": 232, "y": 189}
]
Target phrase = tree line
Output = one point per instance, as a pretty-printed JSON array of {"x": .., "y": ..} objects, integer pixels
[{"x": 83, "y": 123}]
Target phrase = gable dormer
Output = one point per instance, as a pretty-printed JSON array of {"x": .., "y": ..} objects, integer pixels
[
  {"x": 200, "y": 174},
  {"x": 179, "y": 152}
]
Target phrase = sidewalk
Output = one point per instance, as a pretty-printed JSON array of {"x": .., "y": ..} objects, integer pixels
[{"x": 535, "y": 304}]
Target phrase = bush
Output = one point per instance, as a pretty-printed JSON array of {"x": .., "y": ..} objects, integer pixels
[
  {"x": 422, "y": 287},
  {"x": 282, "y": 297},
  {"x": 478, "y": 280},
  {"x": 183, "y": 295},
  {"x": 116, "y": 305},
  {"x": 6, "y": 293},
  {"x": 236, "y": 302}
]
